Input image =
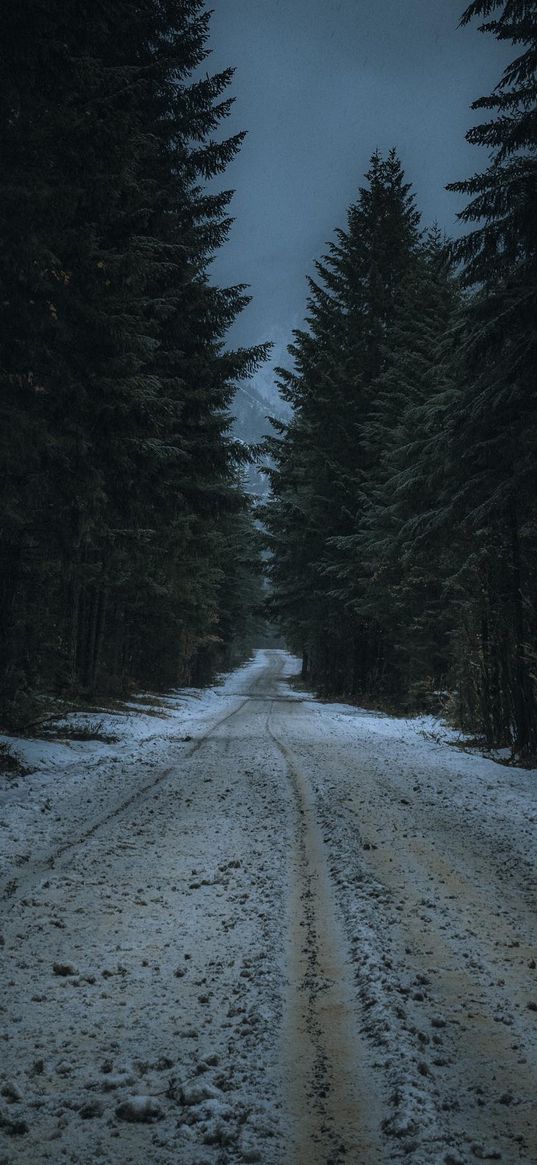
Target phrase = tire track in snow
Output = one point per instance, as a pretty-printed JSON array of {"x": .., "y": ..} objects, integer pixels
[
  {"x": 13, "y": 888},
  {"x": 334, "y": 1112}
]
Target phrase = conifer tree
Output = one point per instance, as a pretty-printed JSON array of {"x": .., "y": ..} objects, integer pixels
[
  {"x": 493, "y": 431},
  {"x": 322, "y": 460},
  {"x": 116, "y": 385},
  {"x": 397, "y": 560}
]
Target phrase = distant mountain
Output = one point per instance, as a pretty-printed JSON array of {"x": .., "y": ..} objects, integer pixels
[{"x": 253, "y": 404}]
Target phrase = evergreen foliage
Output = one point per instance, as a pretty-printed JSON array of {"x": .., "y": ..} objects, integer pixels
[
  {"x": 402, "y": 522},
  {"x": 325, "y": 458},
  {"x": 402, "y": 551},
  {"x": 121, "y": 500},
  {"x": 402, "y": 518},
  {"x": 494, "y": 426}
]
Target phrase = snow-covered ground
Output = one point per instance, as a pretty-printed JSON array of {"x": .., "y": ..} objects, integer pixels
[
  {"x": 243, "y": 925},
  {"x": 71, "y": 784}
]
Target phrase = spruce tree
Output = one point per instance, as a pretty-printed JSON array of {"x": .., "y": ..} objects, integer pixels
[
  {"x": 322, "y": 459},
  {"x": 493, "y": 432},
  {"x": 116, "y": 385},
  {"x": 407, "y": 538}
]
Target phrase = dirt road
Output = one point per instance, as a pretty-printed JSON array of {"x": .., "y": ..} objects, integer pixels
[{"x": 300, "y": 934}]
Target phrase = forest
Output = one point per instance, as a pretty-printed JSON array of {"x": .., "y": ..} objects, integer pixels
[
  {"x": 401, "y": 530},
  {"x": 402, "y": 521},
  {"x": 127, "y": 543},
  {"x": 268, "y": 613}
]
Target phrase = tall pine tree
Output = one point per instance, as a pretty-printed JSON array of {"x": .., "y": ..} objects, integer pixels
[
  {"x": 116, "y": 385},
  {"x": 494, "y": 428},
  {"x": 322, "y": 460},
  {"x": 403, "y": 551}
]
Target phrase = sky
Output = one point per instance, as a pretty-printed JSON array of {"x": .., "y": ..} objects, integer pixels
[{"x": 319, "y": 85}]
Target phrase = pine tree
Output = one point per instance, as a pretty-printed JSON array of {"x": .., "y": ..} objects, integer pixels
[
  {"x": 322, "y": 460},
  {"x": 401, "y": 555},
  {"x": 116, "y": 385},
  {"x": 494, "y": 428}
]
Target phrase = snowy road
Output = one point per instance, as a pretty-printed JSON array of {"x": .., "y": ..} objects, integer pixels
[{"x": 277, "y": 930}]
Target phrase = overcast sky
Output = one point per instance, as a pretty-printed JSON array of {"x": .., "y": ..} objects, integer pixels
[{"x": 320, "y": 84}]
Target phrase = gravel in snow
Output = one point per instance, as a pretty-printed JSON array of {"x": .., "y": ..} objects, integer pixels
[{"x": 244, "y": 925}]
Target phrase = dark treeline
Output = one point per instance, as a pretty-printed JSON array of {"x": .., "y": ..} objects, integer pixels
[
  {"x": 403, "y": 518},
  {"x": 126, "y": 543}
]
